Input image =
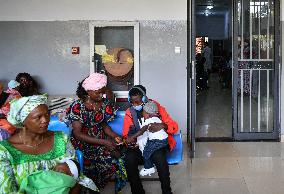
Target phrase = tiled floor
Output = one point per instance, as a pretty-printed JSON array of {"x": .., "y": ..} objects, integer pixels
[
  {"x": 225, "y": 168},
  {"x": 214, "y": 110}
]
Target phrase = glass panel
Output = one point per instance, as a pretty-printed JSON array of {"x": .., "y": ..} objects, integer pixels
[
  {"x": 256, "y": 29},
  {"x": 255, "y": 65},
  {"x": 114, "y": 47}
]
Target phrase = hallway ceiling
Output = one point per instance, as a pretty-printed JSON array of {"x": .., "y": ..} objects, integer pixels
[
  {"x": 216, "y": 3},
  {"x": 220, "y": 7}
]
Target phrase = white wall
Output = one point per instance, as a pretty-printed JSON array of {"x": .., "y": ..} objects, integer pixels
[{"x": 42, "y": 10}]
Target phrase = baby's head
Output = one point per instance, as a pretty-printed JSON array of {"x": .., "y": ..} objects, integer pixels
[
  {"x": 150, "y": 109},
  {"x": 68, "y": 167}
]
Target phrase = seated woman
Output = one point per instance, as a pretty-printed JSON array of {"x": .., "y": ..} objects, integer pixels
[
  {"x": 6, "y": 129},
  {"x": 133, "y": 157},
  {"x": 28, "y": 86},
  {"x": 91, "y": 134},
  {"x": 33, "y": 148}
]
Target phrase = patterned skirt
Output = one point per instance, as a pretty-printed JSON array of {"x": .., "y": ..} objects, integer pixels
[{"x": 100, "y": 166}]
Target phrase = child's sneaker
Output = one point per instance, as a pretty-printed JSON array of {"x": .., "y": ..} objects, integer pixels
[{"x": 147, "y": 171}]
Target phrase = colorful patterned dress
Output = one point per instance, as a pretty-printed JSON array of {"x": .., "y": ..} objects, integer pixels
[
  {"x": 15, "y": 165},
  {"x": 98, "y": 162}
]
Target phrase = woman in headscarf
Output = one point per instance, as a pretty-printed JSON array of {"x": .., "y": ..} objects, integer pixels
[
  {"x": 33, "y": 148},
  {"x": 92, "y": 135}
]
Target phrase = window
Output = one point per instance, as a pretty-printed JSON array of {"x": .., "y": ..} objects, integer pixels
[{"x": 115, "y": 51}]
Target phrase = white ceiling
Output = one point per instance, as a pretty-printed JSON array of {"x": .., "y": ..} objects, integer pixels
[{"x": 220, "y": 7}]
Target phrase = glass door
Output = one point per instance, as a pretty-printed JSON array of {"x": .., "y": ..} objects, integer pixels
[
  {"x": 191, "y": 81},
  {"x": 256, "y": 69}
]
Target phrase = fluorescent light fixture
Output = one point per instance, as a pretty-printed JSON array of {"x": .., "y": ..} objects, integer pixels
[{"x": 210, "y": 7}]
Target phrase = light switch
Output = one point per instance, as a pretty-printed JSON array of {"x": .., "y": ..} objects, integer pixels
[{"x": 177, "y": 50}]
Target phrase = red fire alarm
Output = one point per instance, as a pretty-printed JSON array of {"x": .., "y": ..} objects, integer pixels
[{"x": 75, "y": 50}]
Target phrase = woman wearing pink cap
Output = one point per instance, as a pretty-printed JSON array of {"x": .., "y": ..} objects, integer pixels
[{"x": 92, "y": 135}]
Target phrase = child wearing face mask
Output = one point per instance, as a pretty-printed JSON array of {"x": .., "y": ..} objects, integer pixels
[{"x": 149, "y": 139}]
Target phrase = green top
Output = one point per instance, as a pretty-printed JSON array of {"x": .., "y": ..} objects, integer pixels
[
  {"x": 16, "y": 165},
  {"x": 44, "y": 182}
]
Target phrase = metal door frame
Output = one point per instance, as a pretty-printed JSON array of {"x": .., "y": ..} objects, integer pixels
[
  {"x": 191, "y": 81},
  {"x": 275, "y": 134}
]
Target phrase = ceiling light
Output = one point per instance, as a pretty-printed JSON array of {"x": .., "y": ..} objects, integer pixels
[{"x": 210, "y": 7}]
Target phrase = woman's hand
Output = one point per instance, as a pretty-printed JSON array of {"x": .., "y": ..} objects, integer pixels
[
  {"x": 118, "y": 140},
  {"x": 110, "y": 145},
  {"x": 130, "y": 140}
]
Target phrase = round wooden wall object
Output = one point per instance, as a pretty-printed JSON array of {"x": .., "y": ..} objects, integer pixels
[{"x": 123, "y": 64}]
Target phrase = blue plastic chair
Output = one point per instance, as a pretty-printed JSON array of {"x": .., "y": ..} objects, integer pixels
[
  {"x": 79, "y": 155},
  {"x": 56, "y": 125},
  {"x": 117, "y": 124},
  {"x": 173, "y": 157}
]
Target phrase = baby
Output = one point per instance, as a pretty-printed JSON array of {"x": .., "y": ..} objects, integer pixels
[
  {"x": 152, "y": 138},
  {"x": 68, "y": 167},
  {"x": 59, "y": 180}
]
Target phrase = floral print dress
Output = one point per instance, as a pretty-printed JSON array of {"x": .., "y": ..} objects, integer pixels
[{"x": 99, "y": 165}]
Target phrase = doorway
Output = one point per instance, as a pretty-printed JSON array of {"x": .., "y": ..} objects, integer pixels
[
  {"x": 213, "y": 70},
  {"x": 248, "y": 105}
]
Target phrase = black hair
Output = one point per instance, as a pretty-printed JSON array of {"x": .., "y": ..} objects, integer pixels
[
  {"x": 28, "y": 76},
  {"x": 134, "y": 91},
  {"x": 81, "y": 92},
  {"x": 32, "y": 89}
]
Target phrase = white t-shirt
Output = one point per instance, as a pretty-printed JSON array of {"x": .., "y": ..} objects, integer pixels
[{"x": 159, "y": 135}]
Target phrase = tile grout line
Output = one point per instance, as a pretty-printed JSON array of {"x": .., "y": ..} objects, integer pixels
[{"x": 242, "y": 175}]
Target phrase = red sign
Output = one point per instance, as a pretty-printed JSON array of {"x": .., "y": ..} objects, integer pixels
[{"x": 75, "y": 50}]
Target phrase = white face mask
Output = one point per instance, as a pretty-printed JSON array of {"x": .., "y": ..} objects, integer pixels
[{"x": 139, "y": 107}]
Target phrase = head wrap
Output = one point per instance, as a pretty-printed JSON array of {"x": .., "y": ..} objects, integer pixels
[
  {"x": 95, "y": 82},
  {"x": 21, "y": 108},
  {"x": 13, "y": 84}
]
